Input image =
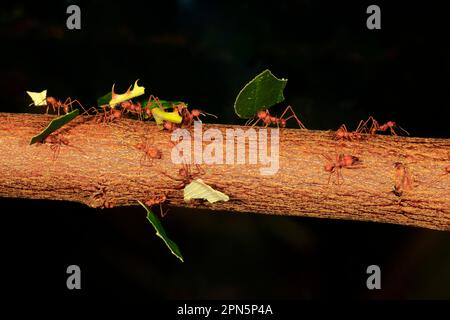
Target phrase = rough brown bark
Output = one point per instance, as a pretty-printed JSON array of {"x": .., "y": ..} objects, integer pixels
[{"x": 101, "y": 166}]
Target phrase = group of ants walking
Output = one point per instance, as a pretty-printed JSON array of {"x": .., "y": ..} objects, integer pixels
[{"x": 106, "y": 114}]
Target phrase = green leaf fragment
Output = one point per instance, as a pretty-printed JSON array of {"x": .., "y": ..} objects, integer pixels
[
  {"x": 104, "y": 100},
  {"x": 160, "y": 232},
  {"x": 264, "y": 91},
  {"x": 54, "y": 125}
]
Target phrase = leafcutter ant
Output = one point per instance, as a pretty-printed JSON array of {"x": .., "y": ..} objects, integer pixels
[
  {"x": 334, "y": 166},
  {"x": 343, "y": 134},
  {"x": 189, "y": 116},
  {"x": 55, "y": 141},
  {"x": 58, "y": 104},
  {"x": 267, "y": 119},
  {"x": 390, "y": 125},
  {"x": 186, "y": 175},
  {"x": 157, "y": 200},
  {"x": 403, "y": 179},
  {"x": 150, "y": 151}
]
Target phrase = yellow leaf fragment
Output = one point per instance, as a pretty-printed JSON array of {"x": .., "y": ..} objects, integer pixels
[
  {"x": 39, "y": 98},
  {"x": 197, "y": 189},
  {"x": 161, "y": 116},
  {"x": 129, "y": 94}
]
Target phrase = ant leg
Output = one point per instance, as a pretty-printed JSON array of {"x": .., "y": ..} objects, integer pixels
[
  {"x": 163, "y": 213},
  {"x": 55, "y": 148},
  {"x": 339, "y": 176},
  {"x": 289, "y": 108},
  {"x": 249, "y": 121},
  {"x": 203, "y": 113},
  {"x": 67, "y": 103},
  {"x": 375, "y": 125},
  {"x": 200, "y": 170},
  {"x": 361, "y": 127},
  {"x": 156, "y": 100},
  {"x": 78, "y": 102},
  {"x": 402, "y": 130},
  {"x": 254, "y": 124}
]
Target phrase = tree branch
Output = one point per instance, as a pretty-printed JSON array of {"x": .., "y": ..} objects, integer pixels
[{"x": 101, "y": 166}]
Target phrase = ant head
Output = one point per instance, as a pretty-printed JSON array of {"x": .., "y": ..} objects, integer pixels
[
  {"x": 195, "y": 112},
  {"x": 140, "y": 146},
  {"x": 125, "y": 104},
  {"x": 283, "y": 123},
  {"x": 48, "y": 139},
  {"x": 51, "y": 100},
  {"x": 183, "y": 172},
  {"x": 349, "y": 160},
  {"x": 117, "y": 114},
  {"x": 391, "y": 124},
  {"x": 262, "y": 114},
  {"x": 154, "y": 153},
  {"x": 397, "y": 165},
  {"x": 148, "y": 112},
  {"x": 329, "y": 167},
  {"x": 169, "y": 125}
]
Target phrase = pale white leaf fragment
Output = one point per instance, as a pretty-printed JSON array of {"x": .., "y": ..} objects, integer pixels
[
  {"x": 39, "y": 98},
  {"x": 197, "y": 189}
]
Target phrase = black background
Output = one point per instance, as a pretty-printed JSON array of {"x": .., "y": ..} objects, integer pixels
[{"x": 203, "y": 52}]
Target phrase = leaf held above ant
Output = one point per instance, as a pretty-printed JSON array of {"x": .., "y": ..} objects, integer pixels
[
  {"x": 197, "y": 189},
  {"x": 160, "y": 232},
  {"x": 39, "y": 98},
  {"x": 54, "y": 125},
  {"x": 264, "y": 91},
  {"x": 129, "y": 94}
]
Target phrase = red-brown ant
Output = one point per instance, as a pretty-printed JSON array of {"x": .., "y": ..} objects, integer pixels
[
  {"x": 109, "y": 116},
  {"x": 157, "y": 200},
  {"x": 267, "y": 119},
  {"x": 136, "y": 108},
  {"x": 390, "y": 125},
  {"x": 343, "y": 134},
  {"x": 403, "y": 179},
  {"x": 55, "y": 140},
  {"x": 188, "y": 116},
  {"x": 170, "y": 126},
  {"x": 186, "y": 175},
  {"x": 341, "y": 161},
  {"x": 57, "y": 104},
  {"x": 150, "y": 152}
]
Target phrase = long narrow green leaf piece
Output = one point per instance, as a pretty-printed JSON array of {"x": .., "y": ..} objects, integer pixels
[
  {"x": 160, "y": 232},
  {"x": 54, "y": 125}
]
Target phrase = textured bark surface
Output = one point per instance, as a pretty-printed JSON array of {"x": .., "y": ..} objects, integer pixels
[{"x": 101, "y": 166}]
